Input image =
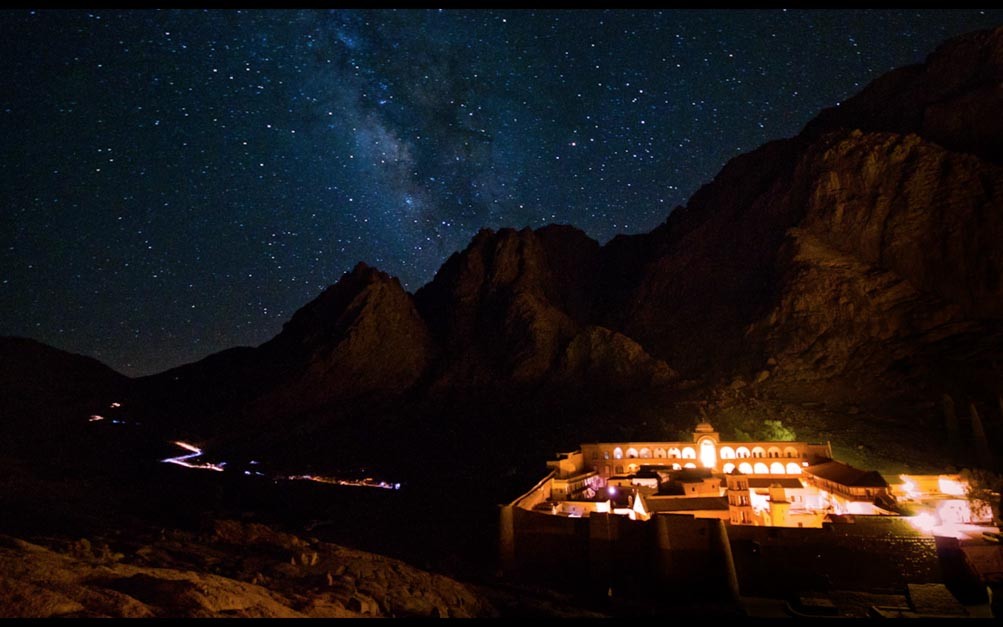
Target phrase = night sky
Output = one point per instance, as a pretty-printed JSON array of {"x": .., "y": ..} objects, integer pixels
[{"x": 180, "y": 182}]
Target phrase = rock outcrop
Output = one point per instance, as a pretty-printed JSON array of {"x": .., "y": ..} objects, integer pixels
[
  {"x": 861, "y": 257},
  {"x": 240, "y": 570},
  {"x": 515, "y": 306},
  {"x": 361, "y": 337}
]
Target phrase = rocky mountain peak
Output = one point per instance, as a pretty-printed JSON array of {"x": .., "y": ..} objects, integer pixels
[{"x": 952, "y": 99}]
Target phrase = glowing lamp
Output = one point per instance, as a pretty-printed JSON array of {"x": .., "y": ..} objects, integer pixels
[
  {"x": 925, "y": 522},
  {"x": 950, "y": 486},
  {"x": 909, "y": 486}
]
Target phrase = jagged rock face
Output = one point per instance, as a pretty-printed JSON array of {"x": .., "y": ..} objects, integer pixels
[
  {"x": 932, "y": 216},
  {"x": 710, "y": 270},
  {"x": 900, "y": 250},
  {"x": 953, "y": 99},
  {"x": 839, "y": 316},
  {"x": 600, "y": 357},
  {"x": 496, "y": 308},
  {"x": 840, "y": 252},
  {"x": 514, "y": 307},
  {"x": 362, "y": 336}
]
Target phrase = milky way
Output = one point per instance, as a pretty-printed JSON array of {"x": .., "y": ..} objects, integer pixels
[{"x": 179, "y": 182}]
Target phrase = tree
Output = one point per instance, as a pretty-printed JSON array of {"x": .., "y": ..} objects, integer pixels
[
  {"x": 774, "y": 431},
  {"x": 765, "y": 431},
  {"x": 983, "y": 493}
]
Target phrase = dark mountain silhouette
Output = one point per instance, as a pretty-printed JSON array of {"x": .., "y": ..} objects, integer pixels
[
  {"x": 846, "y": 281},
  {"x": 48, "y": 395}
]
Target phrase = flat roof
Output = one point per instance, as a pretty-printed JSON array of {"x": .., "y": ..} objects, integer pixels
[
  {"x": 845, "y": 474},
  {"x": 657, "y": 504},
  {"x": 766, "y": 482}
]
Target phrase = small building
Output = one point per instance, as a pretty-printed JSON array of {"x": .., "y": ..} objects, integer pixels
[
  {"x": 850, "y": 490},
  {"x": 696, "y": 506}
]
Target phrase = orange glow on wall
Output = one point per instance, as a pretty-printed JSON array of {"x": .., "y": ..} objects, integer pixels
[
  {"x": 951, "y": 486},
  {"x": 708, "y": 454}
]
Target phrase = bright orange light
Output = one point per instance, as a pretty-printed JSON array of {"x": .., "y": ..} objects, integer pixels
[
  {"x": 187, "y": 446},
  {"x": 925, "y": 522},
  {"x": 760, "y": 502},
  {"x": 708, "y": 456},
  {"x": 954, "y": 511},
  {"x": 909, "y": 486},
  {"x": 950, "y": 486}
]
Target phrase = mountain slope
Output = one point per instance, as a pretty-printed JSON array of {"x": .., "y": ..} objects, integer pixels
[
  {"x": 855, "y": 267},
  {"x": 48, "y": 394}
]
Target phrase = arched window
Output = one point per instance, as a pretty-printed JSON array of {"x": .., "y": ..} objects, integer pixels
[
  {"x": 689, "y": 453},
  {"x": 689, "y": 465},
  {"x": 727, "y": 452},
  {"x": 660, "y": 452},
  {"x": 728, "y": 467},
  {"x": 777, "y": 468},
  {"x": 605, "y": 454},
  {"x": 676, "y": 467},
  {"x": 618, "y": 453},
  {"x": 745, "y": 467},
  {"x": 708, "y": 453},
  {"x": 632, "y": 452},
  {"x": 742, "y": 452},
  {"x": 760, "y": 469},
  {"x": 674, "y": 452},
  {"x": 773, "y": 452},
  {"x": 790, "y": 451},
  {"x": 793, "y": 468},
  {"x": 758, "y": 451},
  {"x": 645, "y": 453}
]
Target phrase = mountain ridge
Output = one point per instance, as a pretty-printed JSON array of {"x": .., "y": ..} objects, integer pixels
[{"x": 850, "y": 266}]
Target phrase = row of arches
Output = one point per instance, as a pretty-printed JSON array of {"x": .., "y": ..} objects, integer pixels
[
  {"x": 760, "y": 468},
  {"x": 688, "y": 452},
  {"x": 742, "y": 452}
]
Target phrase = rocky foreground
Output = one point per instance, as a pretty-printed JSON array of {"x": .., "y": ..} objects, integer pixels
[{"x": 236, "y": 570}]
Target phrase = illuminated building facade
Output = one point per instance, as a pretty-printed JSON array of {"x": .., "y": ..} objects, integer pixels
[
  {"x": 743, "y": 483},
  {"x": 767, "y": 517},
  {"x": 706, "y": 450},
  {"x": 777, "y": 484}
]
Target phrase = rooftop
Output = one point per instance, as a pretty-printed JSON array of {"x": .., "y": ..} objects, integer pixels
[
  {"x": 784, "y": 482},
  {"x": 847, "y": 475},
  {"x": 673, "y": 504}
]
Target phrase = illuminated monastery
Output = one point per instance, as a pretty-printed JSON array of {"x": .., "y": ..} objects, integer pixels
[
  {"x": 721, "y": 519},
  {"x": 781, "y": 484}
]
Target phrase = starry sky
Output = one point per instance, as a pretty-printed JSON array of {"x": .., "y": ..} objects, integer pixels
[{"x": 177, "y": 182}]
